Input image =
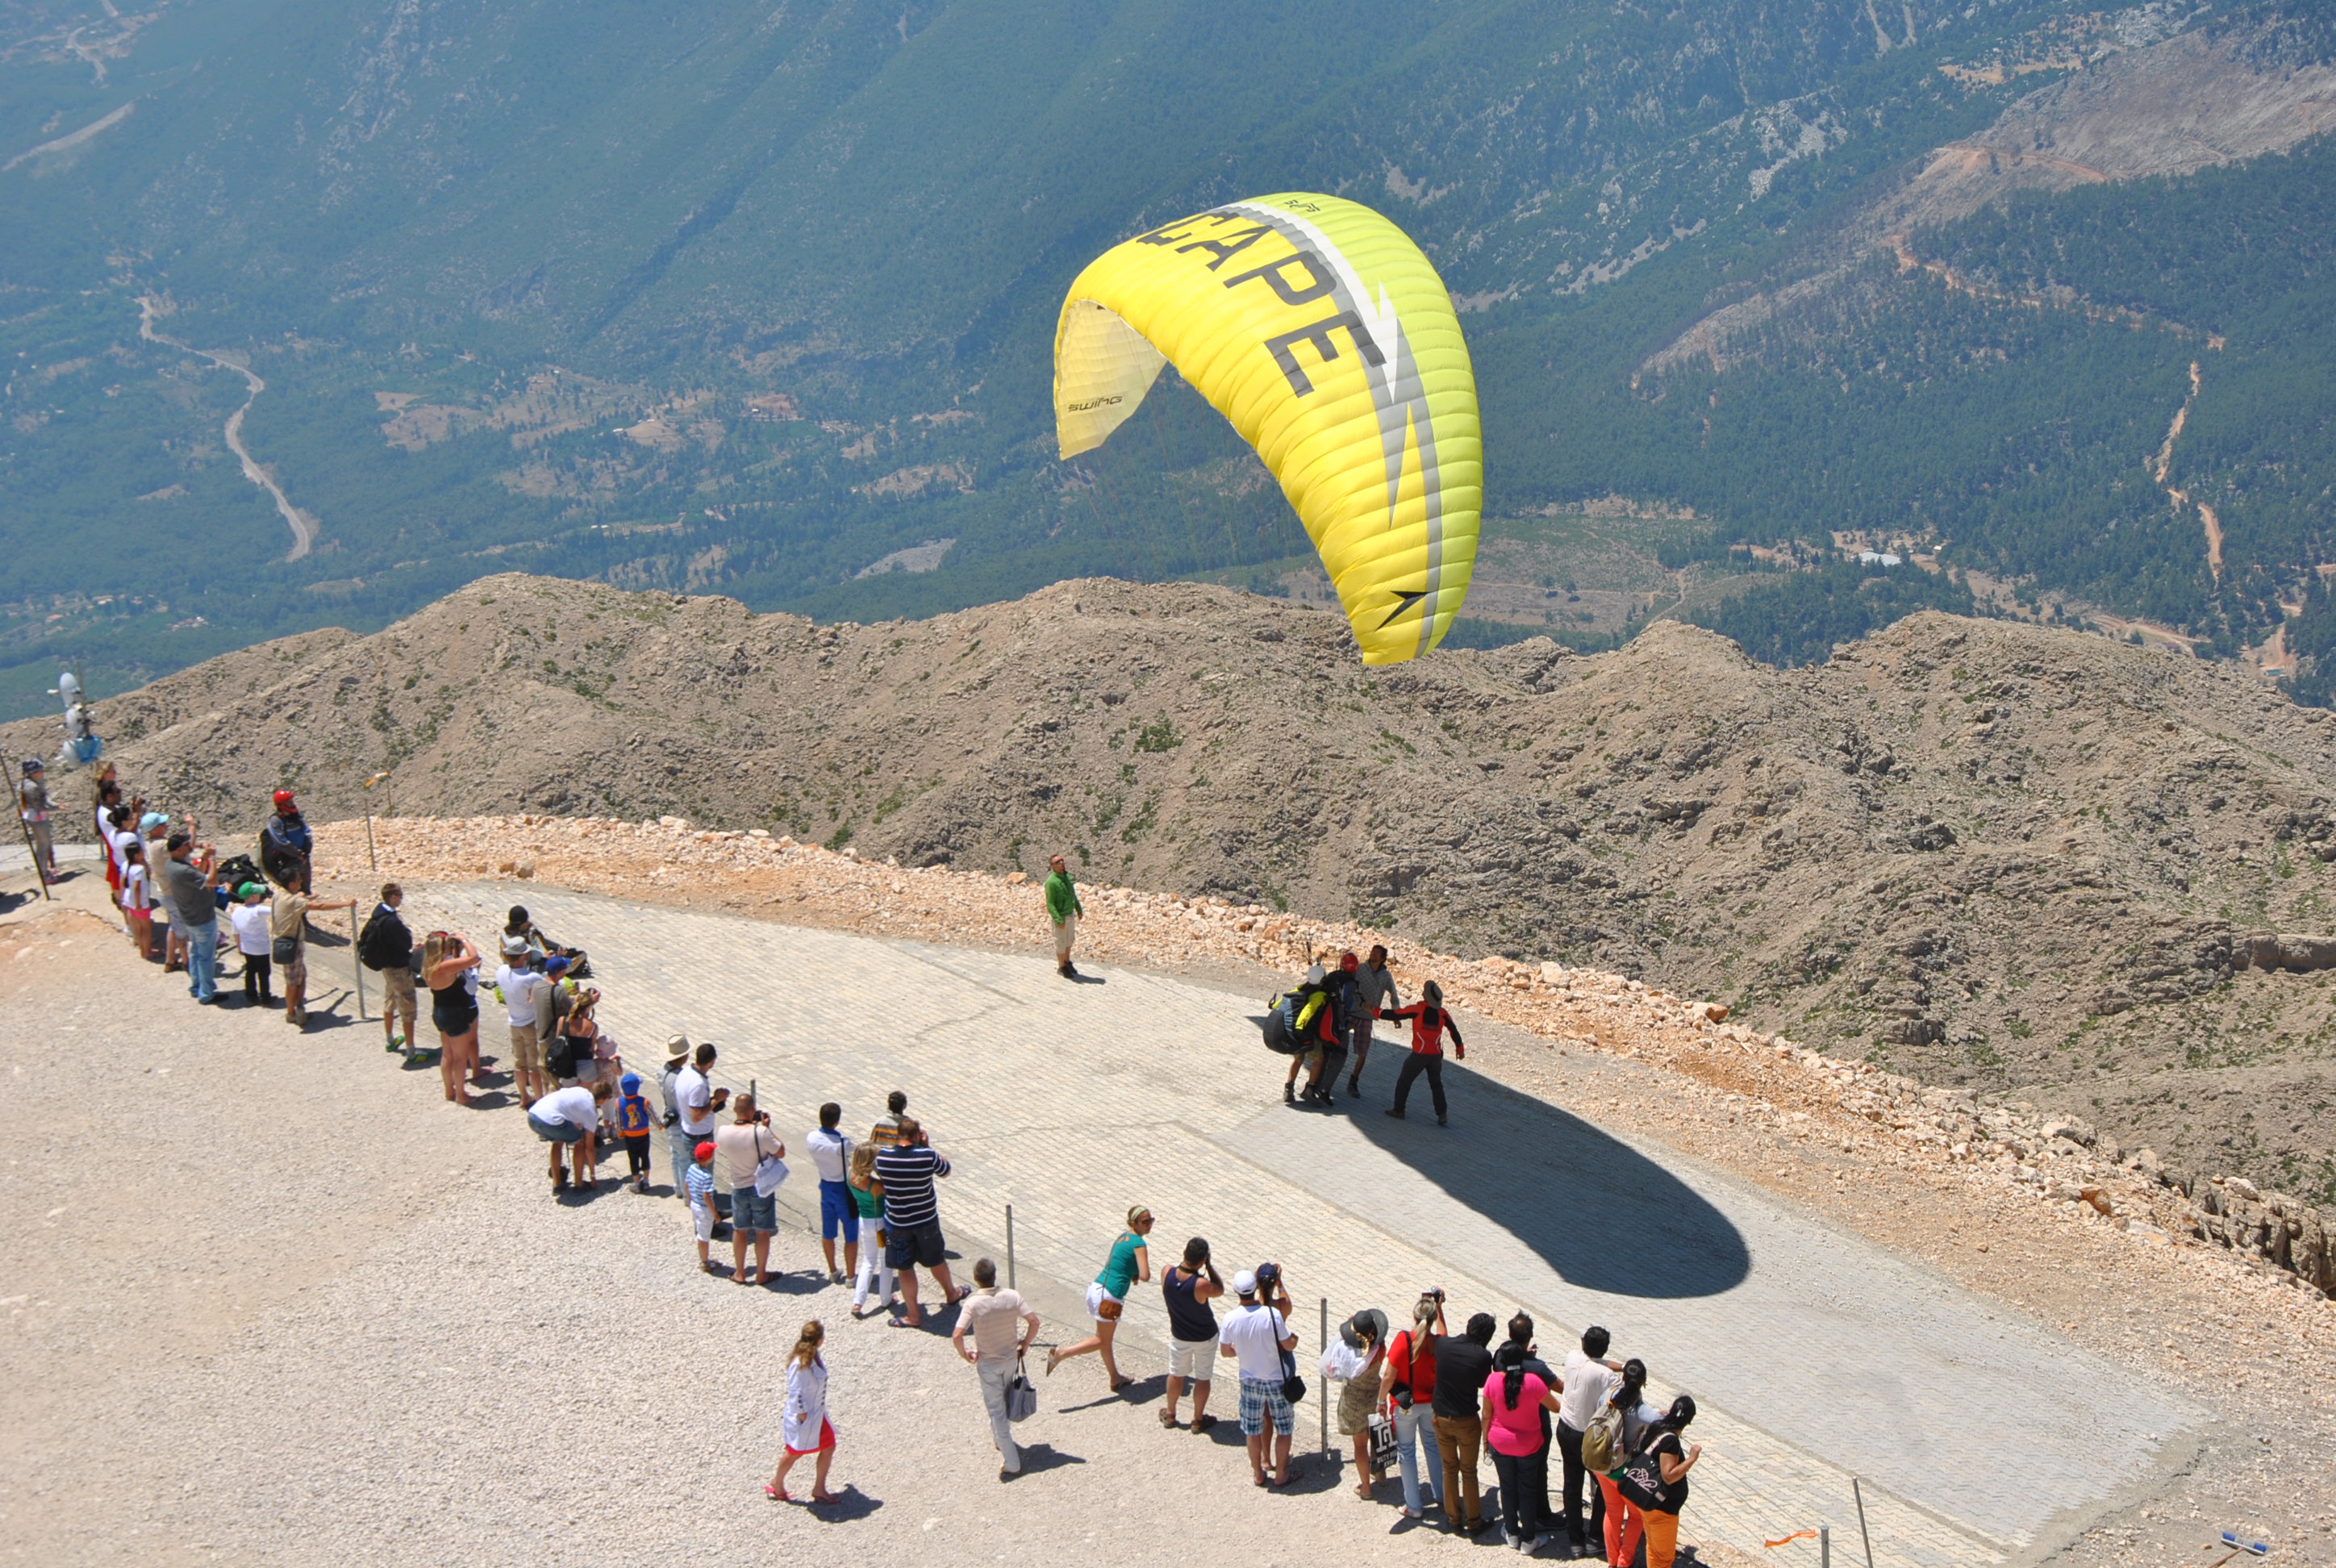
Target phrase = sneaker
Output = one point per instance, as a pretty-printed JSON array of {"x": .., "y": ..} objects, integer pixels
[
  {"x": 1353, "y": 1092},
  {"x": 1535, "y": 1545},
  {"x": 1396, "y": 1114},
  {"x": 1289, "y": 1095}
]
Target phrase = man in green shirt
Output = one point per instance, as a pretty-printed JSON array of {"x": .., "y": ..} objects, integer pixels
[{"x": 1063, "y": 908}]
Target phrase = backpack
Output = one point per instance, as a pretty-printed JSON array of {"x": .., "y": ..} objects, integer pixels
[
  {"x": 1602, "y": 1443},
  {"x": 373, "y": 943},
  {"x": 237, "y": 870},
  {"x": 559, "y": 1056}
]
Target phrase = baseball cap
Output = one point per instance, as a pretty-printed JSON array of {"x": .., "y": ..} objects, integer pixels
[
  {"x": 248, "y": 889},
  {"x": 550, "y": 966},
  {"x": 706, "y": 1150},
  {"x": 1266, "y": 1273},
  {"x": 629, "y": 1081},
  {"x": 33, "y": 765},
  {"x": 1245, "y": 1283},
  {"x": 152, "y": 819}
]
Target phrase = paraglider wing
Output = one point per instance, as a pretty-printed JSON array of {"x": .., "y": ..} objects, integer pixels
[{"x": 1320, "y": 330}]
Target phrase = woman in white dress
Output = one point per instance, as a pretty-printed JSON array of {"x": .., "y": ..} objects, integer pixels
[{"x": 804, "y": 1427}]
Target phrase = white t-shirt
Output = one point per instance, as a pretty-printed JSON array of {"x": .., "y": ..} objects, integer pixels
[
  {"x": 1256, "y": 1333},
  {"x": 137, "y": 890},
  {"x": 694, "y": 1098},
  {"x": 253, "y": 924},
  {"x": 116, "y": 840},
  {"x": 1587, "y": 1384},
  {"x": 831, "y": 1154},
  {"x": 518, "y": 988},
  {"x": 571, "y": 1107}
]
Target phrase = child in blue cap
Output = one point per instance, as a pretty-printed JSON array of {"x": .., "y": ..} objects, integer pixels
[{"x": 633, "y": 1127}]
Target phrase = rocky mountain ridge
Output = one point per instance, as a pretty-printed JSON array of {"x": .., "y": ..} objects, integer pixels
[{"x": 1992, "y": 857}]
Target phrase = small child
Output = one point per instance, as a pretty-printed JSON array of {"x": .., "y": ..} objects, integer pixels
[
  {"x": 698, "y": 1183},
  {"x": 873, "y": 1274},
  {"x": 633, "y": 1127},
  {"x": 138, "y": 899},
  {"x": 254, "y": 939}
]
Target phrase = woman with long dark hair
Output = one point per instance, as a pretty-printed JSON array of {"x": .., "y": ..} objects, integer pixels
[
  {"x": 1624, "y": 1522},
  {"x": 1674, "y": 1457},
  {"x": 1514, "y": 1399},
  {"x": 1189, "y": 1287}
]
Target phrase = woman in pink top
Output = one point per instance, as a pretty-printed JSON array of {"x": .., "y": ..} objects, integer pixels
[{"x": 1513, "y": 1401}]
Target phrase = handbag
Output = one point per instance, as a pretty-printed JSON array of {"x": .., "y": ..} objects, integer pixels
[
  {"x": 1294, "y": 1386},
  {"x": 1641, "y": 1479},
  {"x": 284, "y": 949},
  {"x": 769, "y": 1170},
  {"x": 1021, "y": 1394},
  {"x": 1107, "y": 1310},
  {"x": 1382, "y": 1434}
]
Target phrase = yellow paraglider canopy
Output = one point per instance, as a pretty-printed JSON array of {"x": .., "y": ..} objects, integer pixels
[{"x": 1317, "y": 328}]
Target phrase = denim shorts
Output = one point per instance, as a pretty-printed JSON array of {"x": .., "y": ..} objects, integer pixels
[
  {"x": 838, "y": 1212},
  {"x": 564, "y": 1132},
  {"x": 750, "y": 1211}
]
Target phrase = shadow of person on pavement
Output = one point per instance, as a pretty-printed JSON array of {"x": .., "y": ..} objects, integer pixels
[
  {"x": 1037, "y": 1456},
  {"x": 851, "y": 1503},
  {"x": 1604, "y": 1216}
]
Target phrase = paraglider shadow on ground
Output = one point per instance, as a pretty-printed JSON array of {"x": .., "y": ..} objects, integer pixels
[{"x": 1601, "y": 1213}]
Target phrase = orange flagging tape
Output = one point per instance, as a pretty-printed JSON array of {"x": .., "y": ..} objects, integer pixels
[{"x": 1796, "y": 1535}]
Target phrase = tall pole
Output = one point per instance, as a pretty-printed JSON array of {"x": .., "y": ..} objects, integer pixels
[
  {"x": 372, "y": 861},
  {"x": 17, "y": 801},
  {"x": 1009, "y": 1248},
  {"x": 356, "y": 963},
  {"x": 1322, "y": 1384},
  {"x": 1857, "y": 1492}
]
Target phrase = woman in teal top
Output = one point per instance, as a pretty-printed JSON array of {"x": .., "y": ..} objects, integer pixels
[{"x": 1130, "y": 1264}]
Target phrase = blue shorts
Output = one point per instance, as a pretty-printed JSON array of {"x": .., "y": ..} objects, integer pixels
[
  {"x": 837, "y": 1212},
  {"x": 558, "y": 1132},
  {"x": 750, "y": 1211},
  {"x": 1260, "y": 1401}
]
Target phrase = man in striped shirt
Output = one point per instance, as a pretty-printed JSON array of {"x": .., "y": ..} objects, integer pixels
[{"x": 912, "y": 1218}]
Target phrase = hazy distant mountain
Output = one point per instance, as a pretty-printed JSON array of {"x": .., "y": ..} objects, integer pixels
[{"x": 761, "y": 297}]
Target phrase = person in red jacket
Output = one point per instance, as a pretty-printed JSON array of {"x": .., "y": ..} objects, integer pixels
[{"x": 1429, "y": 1024}]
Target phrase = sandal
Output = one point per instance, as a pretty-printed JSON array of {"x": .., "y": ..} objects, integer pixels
[
  {"x": 1168, "y": 1418},
  {"x": 1202, "y": 1423},
  {"x": 774, "y": 1495}
]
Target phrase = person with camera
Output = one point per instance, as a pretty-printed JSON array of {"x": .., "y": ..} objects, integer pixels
[
  {"x": 1257, "y": 1336},
  {"x": 1129, "y": 1263},
  {"x": 1462, "y": 1366},
  {"x": 912, "y": 1220},
  {"x": 1189, "y": 1286},
  {"x": 1589, "y": 1376},
  {"x": 450, "y": 968},
  {"x": 188, "y": 879},
  {"x": 741, "y": 1148},
  {"x": 1411, "y": 1393}
]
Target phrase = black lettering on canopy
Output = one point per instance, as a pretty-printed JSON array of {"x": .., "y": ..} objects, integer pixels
[
  {"x": 1322, "y": 282},
  {"x": 1319, "y": 334},
  {"x": 1163, "y": 235},
  {"x": 1224, "y": 251}
]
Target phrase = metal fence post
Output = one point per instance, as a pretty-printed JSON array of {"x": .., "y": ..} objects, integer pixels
[
  {"x": 1824, "y": 1547},
  {"x": 1010, "y": 1280},
  {"x": 356, "y": 964},
  {"x": 1859, "y": 1492},
  {"x": 1321, "y": 1382}
]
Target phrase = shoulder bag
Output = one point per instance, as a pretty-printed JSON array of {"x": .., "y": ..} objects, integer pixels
[
  {"x": 1641, "y": 1479},
  {"x": 1294, "y": 1386},
  {"x": 769, "y": 1169}
]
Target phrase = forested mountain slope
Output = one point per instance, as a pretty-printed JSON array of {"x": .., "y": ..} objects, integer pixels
[{"x": 761, "y": 296}]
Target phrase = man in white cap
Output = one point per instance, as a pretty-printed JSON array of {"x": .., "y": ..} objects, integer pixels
[
  {"x": 517, "y": 980},
  {"x": 1255, "y": 1334}
]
